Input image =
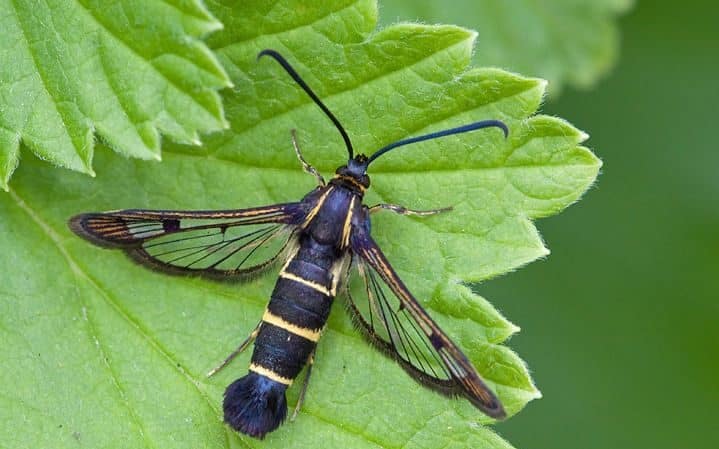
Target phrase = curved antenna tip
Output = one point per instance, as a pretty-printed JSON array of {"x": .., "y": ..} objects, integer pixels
[
  {"x": 504, "y": 128},
  {"x": 496, "y": 124},
  {"x": 447, "y": 132},
  {"x": 300, "y": 82},
  {"x": 267, "y": 52}
]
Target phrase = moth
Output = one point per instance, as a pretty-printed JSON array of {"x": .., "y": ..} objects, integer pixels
[{"x": 324, "y": 244}]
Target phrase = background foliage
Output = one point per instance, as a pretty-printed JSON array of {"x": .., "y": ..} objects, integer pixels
[
  {"x": 565, "y": 41},
  {"x": 619, "y": 324}
]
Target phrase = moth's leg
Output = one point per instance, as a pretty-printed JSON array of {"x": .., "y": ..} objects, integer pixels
[
  {"x": 404, "y": 211},
  {"x": 248, "y": 341},
  {"x": 307, "y": 167},
  {"x": 305, "y": 383}
]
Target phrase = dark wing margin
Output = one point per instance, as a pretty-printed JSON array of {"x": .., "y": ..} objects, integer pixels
[
  {"x": 223, "y": 245},
  {"x": 394, "y": 322}
]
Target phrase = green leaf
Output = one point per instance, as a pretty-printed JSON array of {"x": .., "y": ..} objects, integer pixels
[
  {"x": 102, "y": 353},
  {"x": 565, "y": 41},
  {"x": 124, "y": 72}
]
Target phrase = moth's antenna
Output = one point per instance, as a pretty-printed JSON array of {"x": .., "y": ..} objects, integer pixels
[
  {"x": 295, "y": 76},
  {"x": 446, "y": 132}
]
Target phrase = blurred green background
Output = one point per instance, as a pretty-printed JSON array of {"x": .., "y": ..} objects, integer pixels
[{"x": 619, "y": 323}]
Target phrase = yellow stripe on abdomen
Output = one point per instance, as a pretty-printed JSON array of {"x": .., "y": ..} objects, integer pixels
[
  {"x": 311, "y": 284},
  {"x": 268, "y": 373},
  {"x": 309, "y": 334}
]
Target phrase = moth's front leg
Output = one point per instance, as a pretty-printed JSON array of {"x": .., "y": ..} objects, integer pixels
[{"x": 305, "y": 165}]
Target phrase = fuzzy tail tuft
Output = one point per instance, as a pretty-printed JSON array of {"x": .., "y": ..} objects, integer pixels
[{"x": 255, "y": 405}]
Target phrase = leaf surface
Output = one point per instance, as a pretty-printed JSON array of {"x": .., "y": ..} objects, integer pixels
[
  {"x": 124, "y": 72},
  {"x": 113, "y": 354}
]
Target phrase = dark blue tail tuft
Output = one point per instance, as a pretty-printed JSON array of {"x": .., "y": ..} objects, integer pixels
[{"x": 255, "y": 405}]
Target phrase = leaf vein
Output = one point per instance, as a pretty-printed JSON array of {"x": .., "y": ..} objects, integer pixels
[
  {"x": 91, "y": 327},
  {"x": 114, "y": 305}
]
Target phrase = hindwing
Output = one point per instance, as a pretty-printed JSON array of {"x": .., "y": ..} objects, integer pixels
[{"x": 394, "y": 322}]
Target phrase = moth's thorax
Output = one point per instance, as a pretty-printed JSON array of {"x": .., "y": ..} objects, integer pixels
[
  {"x": 330, "y": 220},
  {"x": 351, "y": 183}
]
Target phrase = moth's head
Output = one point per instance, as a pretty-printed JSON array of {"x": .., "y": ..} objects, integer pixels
[{"x": 356, "y": 170}]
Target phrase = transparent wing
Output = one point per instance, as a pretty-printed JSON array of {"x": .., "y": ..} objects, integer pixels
[
  {"x": 222, "y": 245},
  {"x": 393, "y": 321}
]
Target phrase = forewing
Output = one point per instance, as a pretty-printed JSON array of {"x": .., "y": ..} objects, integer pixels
[
  {"x": 224, "y": 245},
  {"x": 392, "y": 319}
]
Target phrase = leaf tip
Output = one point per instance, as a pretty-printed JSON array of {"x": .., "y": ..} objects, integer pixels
[
  {"x": 472, "y": 34},
  {"x": 543, "y": 84},
  {"x": 216, "y": 25}
]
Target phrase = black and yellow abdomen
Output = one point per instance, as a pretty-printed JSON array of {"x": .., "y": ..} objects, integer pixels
[
  {"x": 297, "y": 313},
  {"x": 294, "y": 319}
]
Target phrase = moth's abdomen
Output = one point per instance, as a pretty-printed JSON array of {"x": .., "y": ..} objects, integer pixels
[
  {"x": 303, "y": 296},
  {"x": 291, "y": 326},
  {"x": 293, "y": 321},
  {"x": 255, "y": 405}
]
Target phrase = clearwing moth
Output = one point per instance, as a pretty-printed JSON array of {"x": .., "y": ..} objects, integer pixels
[{"x": 320, "y": 241}]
